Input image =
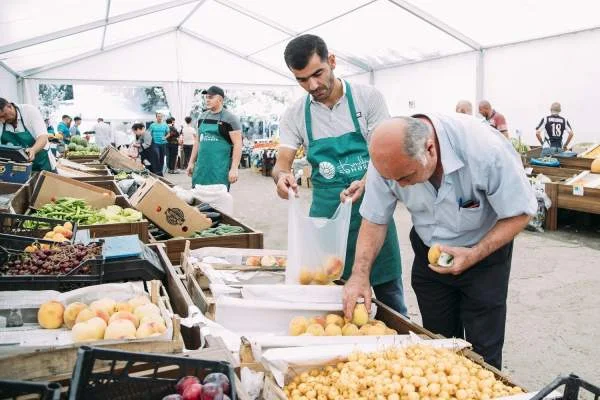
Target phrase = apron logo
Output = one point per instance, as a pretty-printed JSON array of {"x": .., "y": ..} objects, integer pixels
[{"x": 327, "y": 170}]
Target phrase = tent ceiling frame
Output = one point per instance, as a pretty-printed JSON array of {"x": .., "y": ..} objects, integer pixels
[
  {"x": 86, "y": 55},
  {"x": 196, "y": 7},
  {"x": 201, "y": 38},
  {"x": 291, "y": 33},
  {"x": 433, "y": 21},
  {"x": 9, "y": 69},
  {"x": 105, "y": 24},
  {"x": 93, "y": 25}
]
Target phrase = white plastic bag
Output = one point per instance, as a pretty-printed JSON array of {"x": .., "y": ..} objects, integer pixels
[
  {"x": 215, "y": 195},
  {"x": 316, "y": 246}
]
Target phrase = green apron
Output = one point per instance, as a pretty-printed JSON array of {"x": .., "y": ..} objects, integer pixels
[
  {"x": 336, "y": 163},
  {"x": 41, "y": 162},
  {"x": 214, "y": 156}
]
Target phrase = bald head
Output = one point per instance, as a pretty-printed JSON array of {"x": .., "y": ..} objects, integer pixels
[
  {"x": 464, "y": 107},
  {"x": 485, "y": 108},
  {"x": 401, "y": 148}
]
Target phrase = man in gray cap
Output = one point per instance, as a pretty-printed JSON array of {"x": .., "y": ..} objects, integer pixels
[{"x": 218, "y": 145}]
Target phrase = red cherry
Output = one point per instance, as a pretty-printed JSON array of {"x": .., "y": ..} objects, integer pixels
[{"x": 184, "y": 382}]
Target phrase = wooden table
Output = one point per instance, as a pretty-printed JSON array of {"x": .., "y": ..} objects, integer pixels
[{"x": 562, "y": 196}]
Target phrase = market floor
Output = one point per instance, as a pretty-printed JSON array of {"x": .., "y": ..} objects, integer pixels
[{"x": 553, "y": 322}]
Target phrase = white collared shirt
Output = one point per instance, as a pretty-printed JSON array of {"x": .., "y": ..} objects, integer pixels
[{"x": 479, "y": 164}]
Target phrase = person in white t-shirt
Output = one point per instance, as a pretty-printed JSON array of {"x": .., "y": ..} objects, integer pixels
[
  {"x": 104, "y": 135},
  {"x": 188, "y": 134}
]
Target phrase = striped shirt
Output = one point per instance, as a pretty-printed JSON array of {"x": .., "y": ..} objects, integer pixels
[{"x": 370, "y": 108}]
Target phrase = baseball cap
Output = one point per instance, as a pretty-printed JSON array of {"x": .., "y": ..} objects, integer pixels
[{"x": 214, "y": 90}]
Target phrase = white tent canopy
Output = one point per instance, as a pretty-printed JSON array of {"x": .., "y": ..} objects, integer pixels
[{"x": 398, "y": 45}]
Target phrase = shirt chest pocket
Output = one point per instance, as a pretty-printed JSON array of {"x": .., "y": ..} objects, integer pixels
[{"x": 469, "y": 219}]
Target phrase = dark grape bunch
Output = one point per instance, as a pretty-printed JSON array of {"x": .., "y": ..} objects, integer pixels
[{"x": 61, "y": 259}]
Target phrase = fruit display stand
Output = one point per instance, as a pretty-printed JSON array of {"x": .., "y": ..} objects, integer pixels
[
  {"x": 568, "y": 197},
  {"x": 249, "y": 239},
  {"x": 197, "y": 283},
  {"x": 37, "y": 359},
  {"x": 581, "y": 163}
]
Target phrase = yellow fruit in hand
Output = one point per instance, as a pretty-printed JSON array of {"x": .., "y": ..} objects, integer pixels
[
  {"x": 350, "y": 330},
  {"x": 433, "y": 255},
  {"x": 360, "y": 316},
  {"x": 315, "y": 330},
  {"x": 298, "y": 326},
  {"x": 306, "y": 276},
  {"x": 333, "y": 330}
]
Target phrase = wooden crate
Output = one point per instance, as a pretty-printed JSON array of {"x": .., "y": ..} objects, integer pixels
[
  {"x": 576, "y": 162},
  {"x": 555, "y": 172},
  {"x": 57, "y": 363},
  {"x": 139, "y": 228},
  {"x": 82, "y": 158},
  {"x": 180, "y": 298},
  {"x": 162, "y": 179},
  {"x": 20, "y": 201},
  {"x": 562, "y": 196},
  {"x": 109, "y": 184},
  {"x": 251, "y": 239}
]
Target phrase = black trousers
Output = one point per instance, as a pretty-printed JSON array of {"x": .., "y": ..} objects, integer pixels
[
  {"x": 187, "y": 154},
  {"x": 172, "y": 149},
  {"x": 471, "y": 305}
]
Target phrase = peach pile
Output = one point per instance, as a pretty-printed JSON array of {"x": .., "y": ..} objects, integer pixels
[{"x": 104, "y": 319}]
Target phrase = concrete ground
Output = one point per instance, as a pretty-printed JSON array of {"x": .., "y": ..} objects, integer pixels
[{"x": 553, "y": 322}]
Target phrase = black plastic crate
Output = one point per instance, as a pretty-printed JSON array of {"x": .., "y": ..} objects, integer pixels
[
  {"x": 145, "y": 267},
  {"x": 27, "y": 226},
  {"x": 573, "y": 385},
  {"x": 63, "y": 283},
  {"x": 33, "y": 390},
  {"x": 119, "y": 375}
]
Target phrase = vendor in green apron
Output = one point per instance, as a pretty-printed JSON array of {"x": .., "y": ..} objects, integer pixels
[
  {"x": 217, "y": 147},
  {"x": 23, "y": 125},
  {"x": 333, "y": 123}
]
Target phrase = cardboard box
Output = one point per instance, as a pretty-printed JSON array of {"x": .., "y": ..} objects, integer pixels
[
  {"x": 115, "y": 160},
  {"x": 14, "y": 172},
  {"x": 50, "y": 187},
  {"x": 160, "y": 205}
]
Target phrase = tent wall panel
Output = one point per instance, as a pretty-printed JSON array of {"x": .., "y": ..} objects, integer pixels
[
  {"x": 521, "y": 81},
  {"x": 428, "y": 86},
  {"x": 8, "y": 85}
]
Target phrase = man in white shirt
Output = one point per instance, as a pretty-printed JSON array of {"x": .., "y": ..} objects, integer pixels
[{"x": 104, "y": 135}]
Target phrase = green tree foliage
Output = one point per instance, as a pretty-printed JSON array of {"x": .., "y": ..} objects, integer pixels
[{"x": 155, "y": 98}]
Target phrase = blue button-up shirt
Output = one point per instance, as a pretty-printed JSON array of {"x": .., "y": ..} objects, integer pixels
[{"x": 479, "y": 164}]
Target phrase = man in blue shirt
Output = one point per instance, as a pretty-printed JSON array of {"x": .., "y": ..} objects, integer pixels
[
  {"x": 159, "y": 130},
  {"x": 465, "y": 188},
  {"x": 63, "y": 128}
]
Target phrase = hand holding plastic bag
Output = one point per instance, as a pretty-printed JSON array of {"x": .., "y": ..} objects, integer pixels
[{"x": 316, "y": 246}]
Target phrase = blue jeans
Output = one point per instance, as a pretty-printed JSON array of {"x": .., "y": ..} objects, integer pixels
[{"x": 392, "y": 294}]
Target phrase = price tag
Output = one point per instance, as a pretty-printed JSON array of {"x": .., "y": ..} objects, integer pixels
[{"x": 578, "y": 190}]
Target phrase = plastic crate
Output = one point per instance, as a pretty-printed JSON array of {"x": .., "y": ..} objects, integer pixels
[
  {"x": 62, "y": 283},
  {"x": 119, "y": 374},
  {"x": 33, "y": 390},
  {"x": 27, "y": 226},
  {"x": 573, "y": 384}
]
